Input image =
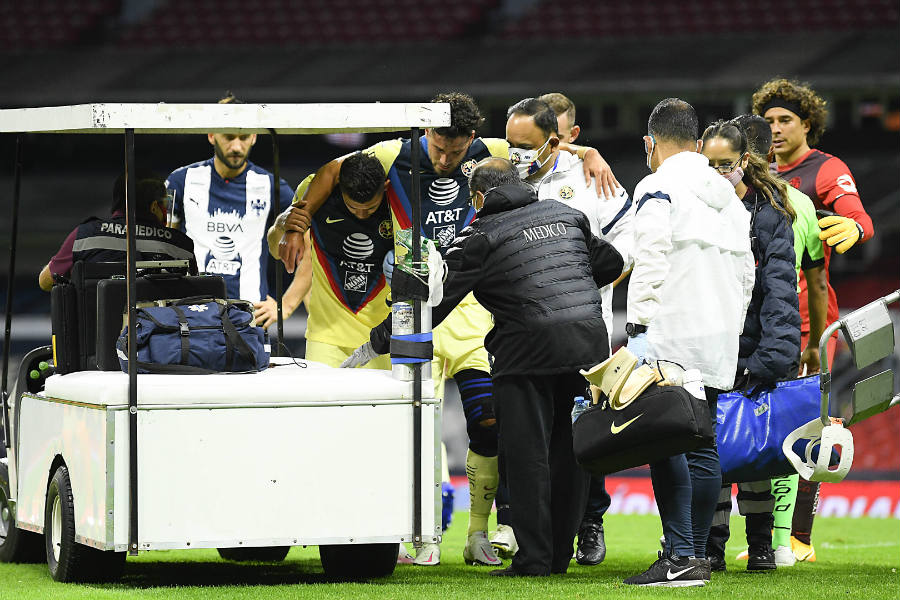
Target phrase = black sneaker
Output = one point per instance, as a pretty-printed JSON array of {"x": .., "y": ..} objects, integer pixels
[
  {"x": 673, "y": 572},
  {"x": 760, "y": 559},
  {"x": 717, "y": 563},
  {"x": 591, "y": 545}
]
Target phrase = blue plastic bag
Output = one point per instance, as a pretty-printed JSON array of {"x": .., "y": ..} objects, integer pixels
[{"x": 750, "y": 429}]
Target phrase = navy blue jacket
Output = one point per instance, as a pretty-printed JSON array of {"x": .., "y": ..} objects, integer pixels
[{"x": 770, "y": 342}]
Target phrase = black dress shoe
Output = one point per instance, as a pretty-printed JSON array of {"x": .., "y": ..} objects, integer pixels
[
  {"x": 510, "y": 572},
  {"x": 591, "y": 545},
  {"x": 716, "y": 563}
]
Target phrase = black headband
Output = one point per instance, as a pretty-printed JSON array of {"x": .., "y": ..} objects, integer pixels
[{"x": 779, "y": 102}]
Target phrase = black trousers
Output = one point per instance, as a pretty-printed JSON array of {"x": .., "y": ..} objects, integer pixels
[{"x": 547, "y": 488}]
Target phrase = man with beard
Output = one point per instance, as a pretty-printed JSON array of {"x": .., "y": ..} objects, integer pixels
[{"x": 222, "y": 204}]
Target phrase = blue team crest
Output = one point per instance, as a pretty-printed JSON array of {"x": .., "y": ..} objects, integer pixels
[
  {"x": 386, "y": 229},
  {"x": 566, "y": 192},
  {"x": 467, "y": 167},
  {"x": 258, "y": 206}
]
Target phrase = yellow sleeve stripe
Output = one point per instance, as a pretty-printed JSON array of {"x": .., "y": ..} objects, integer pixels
[
  {"x": 301, "y": 189},
  {"x": 497, "y": 147},
  {"x": 386, "y": 152}
]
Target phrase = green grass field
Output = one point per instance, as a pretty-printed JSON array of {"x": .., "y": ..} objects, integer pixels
[{"x": 858, "y": 558}]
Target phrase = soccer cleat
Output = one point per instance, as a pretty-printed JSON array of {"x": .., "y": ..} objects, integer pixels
[
  {"x": 403, "y": 555},
  {"x": 803, "y": 552},
  {"x": 761, "y": 559},
  {"x": 591, "y": 544},
  {"x": 429, "y": 555},
  {"x": 743, "y": 554},
  {"x": 784, "y": 556},
  {"x": 478, "y": 551},
  {"x": 504, "y": 541},
  {"x": 673, "y": 572}
]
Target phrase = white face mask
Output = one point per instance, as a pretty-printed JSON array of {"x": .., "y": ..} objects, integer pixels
[{"x": 526, "y": 161}]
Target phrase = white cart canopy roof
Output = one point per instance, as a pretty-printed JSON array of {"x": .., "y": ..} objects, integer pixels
[{"x": 225, "y": 118}]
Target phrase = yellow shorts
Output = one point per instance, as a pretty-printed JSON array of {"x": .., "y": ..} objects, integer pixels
[
  {"x": 459, "y": 341},
  {"x": 333, "y": 356}
]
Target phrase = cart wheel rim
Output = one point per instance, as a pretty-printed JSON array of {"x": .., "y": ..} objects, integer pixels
[
  {"x": 5, "y": 517},
  {"x": 56, "y": 524}
]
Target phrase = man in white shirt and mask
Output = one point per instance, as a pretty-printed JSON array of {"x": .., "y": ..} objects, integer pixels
[
  {"x": 534, "y": 135},
  {"x": 688, "y": 294}
]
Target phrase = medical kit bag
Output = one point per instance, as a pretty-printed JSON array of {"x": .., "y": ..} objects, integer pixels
[
  {"x": 660, "y": 422},
  {"x": 194, "y": 336},
  {"x": 112, "y": 304},
  {"x": 752, "y": 426}
]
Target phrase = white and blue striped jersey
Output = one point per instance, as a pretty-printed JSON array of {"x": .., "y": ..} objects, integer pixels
[{"x": 226, "y": 219}]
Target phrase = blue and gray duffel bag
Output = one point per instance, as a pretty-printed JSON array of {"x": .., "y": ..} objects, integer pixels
[{"x": 196, "y": 336}]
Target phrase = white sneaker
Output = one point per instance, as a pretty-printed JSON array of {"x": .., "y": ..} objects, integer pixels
[
  {"x": 504, "y": 541},
  {"x": 478, "y": 551},
  {"x": 429, "y": 555},
  {"x": 403, "y": 555},
  {"x": 784, "y": 556}
]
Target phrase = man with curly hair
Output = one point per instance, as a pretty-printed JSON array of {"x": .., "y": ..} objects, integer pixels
[{"x": 797, "y": 117}]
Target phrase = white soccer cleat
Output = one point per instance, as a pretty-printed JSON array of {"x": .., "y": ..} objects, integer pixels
[
  {"x": 429, "y": 555},
  {"x": 478, "y": 551},
  {"x": 784, "y": 556},
  {"x": 504, "y": 541},
  {"x": 403, "y": 555}
]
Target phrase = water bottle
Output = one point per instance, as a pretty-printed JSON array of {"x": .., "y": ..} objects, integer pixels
[
  {"x": 402, "y": 324},
  {"x": 581, "y": 405},
  {"x": 692, "y": 381}
]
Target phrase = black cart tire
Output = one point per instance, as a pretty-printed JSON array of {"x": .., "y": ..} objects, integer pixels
[
  {"x": 68, "y": 560},
  {"x": 358, "y": 561},
  {"x": 16, "y": 545},
  {"x": 259, "y": 554}
]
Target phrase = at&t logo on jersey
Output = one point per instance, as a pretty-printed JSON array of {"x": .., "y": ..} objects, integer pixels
[
  {"x": 443, "y": 191},
  {"x": 225, "y": 259},
  {"x": 355, "y": 282},
  {"x": 358, "y": 246}
]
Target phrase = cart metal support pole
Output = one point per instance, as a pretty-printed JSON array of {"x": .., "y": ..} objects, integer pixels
[
  {"x": 416, "y": 202},
  {"x": 825, "y": 376},
  {"x": 13, "y": 241},
  {"x": 274, "y": 209},
  {"x": 131, "y": 215}
]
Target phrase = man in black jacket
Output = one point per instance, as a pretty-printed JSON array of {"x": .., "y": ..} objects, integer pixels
[{"x": 537, "y": 268}]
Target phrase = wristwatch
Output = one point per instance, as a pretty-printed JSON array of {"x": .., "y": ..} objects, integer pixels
[{"x": 633, "y": 329}]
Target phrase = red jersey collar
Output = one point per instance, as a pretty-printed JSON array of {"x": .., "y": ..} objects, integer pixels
[{"x": 790, "y": 166}]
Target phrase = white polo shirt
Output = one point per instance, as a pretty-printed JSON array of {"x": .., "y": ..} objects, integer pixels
[{"x": 610, "y": 220}]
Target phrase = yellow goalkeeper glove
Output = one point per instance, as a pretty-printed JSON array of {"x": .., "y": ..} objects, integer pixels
[{"x": 840, "y": 232}]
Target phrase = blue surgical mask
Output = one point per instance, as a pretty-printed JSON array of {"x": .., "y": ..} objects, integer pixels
[{"x": 526, "y": 161}]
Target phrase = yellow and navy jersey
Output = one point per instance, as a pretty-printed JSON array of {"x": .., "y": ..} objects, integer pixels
[
  {"x": 444, "y": 199},
  {"x": 348, "y": 294}
]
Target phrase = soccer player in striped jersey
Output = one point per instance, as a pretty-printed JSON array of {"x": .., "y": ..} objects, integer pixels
[{"x": 222, "y": 204}]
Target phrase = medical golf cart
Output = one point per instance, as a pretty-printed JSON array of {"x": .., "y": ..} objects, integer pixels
[{"x": 102, "y": 464}]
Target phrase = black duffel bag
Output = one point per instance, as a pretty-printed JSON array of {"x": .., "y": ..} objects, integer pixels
[
  {"x": 661, "y": 422},
  {"x": 196, "y": 336}
]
